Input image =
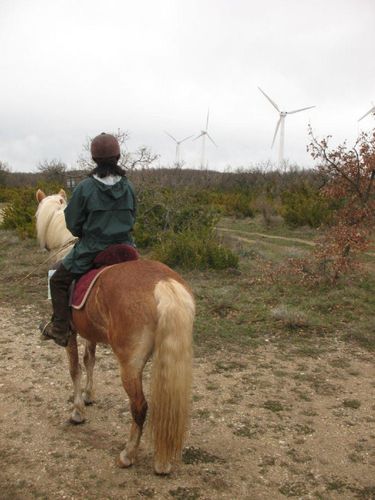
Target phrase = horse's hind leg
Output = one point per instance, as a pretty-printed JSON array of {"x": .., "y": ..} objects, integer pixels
[
  {"x": 78, "y": 414},
  {"x": 132, "y": 382},
  {"x": 89, "y": 361}
]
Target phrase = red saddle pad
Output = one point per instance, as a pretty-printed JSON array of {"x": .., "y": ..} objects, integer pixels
[{"x": 114, "y": 254}]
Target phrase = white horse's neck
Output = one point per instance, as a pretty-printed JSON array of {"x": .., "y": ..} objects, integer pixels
[{"x": 51, "y": 228}]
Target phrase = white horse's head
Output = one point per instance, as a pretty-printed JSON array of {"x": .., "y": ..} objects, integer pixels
[{"x": 51, "y": 229}]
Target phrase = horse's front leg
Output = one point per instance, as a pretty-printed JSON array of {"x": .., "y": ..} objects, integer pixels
[
  {"x": 89, "y": 361},
  {"x": 78, "y": 414}
]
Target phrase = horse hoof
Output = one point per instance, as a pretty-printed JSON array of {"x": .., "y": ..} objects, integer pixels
[
  {"x": 87, "y": 399},
  {"x": 76, "y": 422},
  {"x": 162, "y": 470},
  {"x": 76, "y": 418},
  {"x": 124, "y": 461}
]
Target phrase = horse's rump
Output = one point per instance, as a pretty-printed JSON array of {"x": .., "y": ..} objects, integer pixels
[{"x": 122, "y": 300}]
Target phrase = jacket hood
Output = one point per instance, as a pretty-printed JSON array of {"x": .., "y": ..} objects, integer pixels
[{"x": 116, "y": 190}]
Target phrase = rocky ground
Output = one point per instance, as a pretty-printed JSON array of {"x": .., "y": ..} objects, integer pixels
[{"x": 266, "y": 423}]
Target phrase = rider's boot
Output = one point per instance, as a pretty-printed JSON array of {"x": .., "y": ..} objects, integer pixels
[{"x": 58, "y": 328}]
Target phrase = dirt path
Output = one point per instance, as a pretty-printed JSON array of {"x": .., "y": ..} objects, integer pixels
[
  {"x": 272, "y": 237},
  {"x": 265, "y": 424},
  {"x": 269, "y": 236}
]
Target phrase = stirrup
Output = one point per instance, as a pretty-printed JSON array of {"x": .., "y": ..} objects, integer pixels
[
  {"x": 42, "y": 328},
  {"x": 61, "y": 340}
]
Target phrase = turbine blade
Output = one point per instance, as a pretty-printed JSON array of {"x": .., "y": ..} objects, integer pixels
[
  {"x": 213, "y": 142},
  {"x": 171, "y": 136},
  {"x": 298, "y": 110},
  {"x": 368, "y": 112},
  {"x": 271, "y": 101},
  {"x": 208, "y": 114},
  {"x": 200, "y": 135},
  {"x": 186, "y": 138},
  {"x": 275, "y": 134}
]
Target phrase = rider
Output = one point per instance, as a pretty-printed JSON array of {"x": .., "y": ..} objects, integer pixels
[{"x": 101, "y": 212}]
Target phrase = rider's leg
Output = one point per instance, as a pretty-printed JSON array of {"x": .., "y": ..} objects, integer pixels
[{"x": 58, "y": 329}]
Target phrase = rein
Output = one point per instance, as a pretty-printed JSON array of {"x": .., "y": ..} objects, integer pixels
[{"x": 50, "y": 257}]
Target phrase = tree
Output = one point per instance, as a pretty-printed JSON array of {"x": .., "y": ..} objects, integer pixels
[
  {"x": 53, "y": 170},
  {"x": 347, "y": 180}
]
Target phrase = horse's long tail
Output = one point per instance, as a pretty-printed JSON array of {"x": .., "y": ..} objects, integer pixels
[{"x": 171, "y": 372}]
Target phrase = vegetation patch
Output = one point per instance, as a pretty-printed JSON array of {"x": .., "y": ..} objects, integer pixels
[
  {"x": 304, "y": 205},
  {"x": 146, "y": 492},
  {"x": 194, "y": 455},
  {"x": 194, "y": 250},
  {"x": 351, "y": 403},
  {"x": 340, "y": 363},
  {"x": 336, "y": 484},
  {"x": 202, "y": 413},
  {"x": 304, "y": 429},
  {"x": 298, "y": 457},
  {"x": 247, "y": 428},
  {"x": 366, "y": 493},
  {"x": 292, "y": 319},
  {"x": 293, "y": 489},
  {"x": 274, "y": 406},
  {"x": 184, "y": 493}
]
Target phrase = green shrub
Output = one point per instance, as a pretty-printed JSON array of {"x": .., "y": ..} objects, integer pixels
[
  {"x": 164, "y": 210},
  {"x": 151, "y": 221},
  {"x": 179, "y": 227},
  {"x": 21, "y": 207},
  {"x": 194, "y": 250},
  {"x": 304, "y": 206},
  {"x": 173, "y": 222},
  {"x": 20, "y": 211},
  {"x": 233, "y": 203},
  {"x": 238, "y": 204},
  {"x": 5, "y": 194}
]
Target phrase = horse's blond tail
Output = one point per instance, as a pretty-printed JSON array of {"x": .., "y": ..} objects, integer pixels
[{"x": 171, "y": 372}]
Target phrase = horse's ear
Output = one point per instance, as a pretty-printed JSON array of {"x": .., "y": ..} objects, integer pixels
[
  {"x": 63, "y": 194},
  {"x": 40, "y": 195}
]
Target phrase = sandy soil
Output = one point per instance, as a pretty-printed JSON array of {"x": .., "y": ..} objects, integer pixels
[{"x": 265, "y": 424}]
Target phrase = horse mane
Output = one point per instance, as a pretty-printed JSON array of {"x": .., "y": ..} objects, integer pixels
[{"x": 50, "y": 223}]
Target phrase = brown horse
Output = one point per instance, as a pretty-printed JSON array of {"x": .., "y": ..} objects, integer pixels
[{"x": 140, "y": 308}]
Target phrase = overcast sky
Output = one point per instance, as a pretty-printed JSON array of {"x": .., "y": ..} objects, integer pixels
[{"x": 71, "y": 69}]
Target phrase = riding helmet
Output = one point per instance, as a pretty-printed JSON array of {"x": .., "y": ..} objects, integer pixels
[{"x": 105, "y": 146}]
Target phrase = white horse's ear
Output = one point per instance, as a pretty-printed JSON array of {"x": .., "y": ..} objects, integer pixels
[
  {"x": 63, "y": 194},
  {"x": 40, "y": 195}
]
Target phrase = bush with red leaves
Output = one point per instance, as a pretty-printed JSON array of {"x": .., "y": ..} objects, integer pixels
[{"x": 348, "y": 180}]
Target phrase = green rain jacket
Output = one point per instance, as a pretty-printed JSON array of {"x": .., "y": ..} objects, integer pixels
[{"x": 99, "y": 215}]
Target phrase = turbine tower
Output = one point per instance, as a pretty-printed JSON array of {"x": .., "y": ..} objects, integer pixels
[
  {"x": 178, "y": 143},
  {"x": 281, "y": 124},
  {"x": 372, "y": 110},
  {"x": 204, "y": 133}
]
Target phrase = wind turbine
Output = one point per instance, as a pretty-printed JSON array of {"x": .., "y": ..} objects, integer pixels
[
  {"x": 372, "y": 110},
  {"x": 281, "y": 124},
  {"x": 204, "y": 133},
  {"x": 178, "y": 143}
]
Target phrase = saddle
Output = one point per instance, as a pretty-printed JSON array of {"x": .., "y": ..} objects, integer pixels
[{"x": 114, "y": 254}]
